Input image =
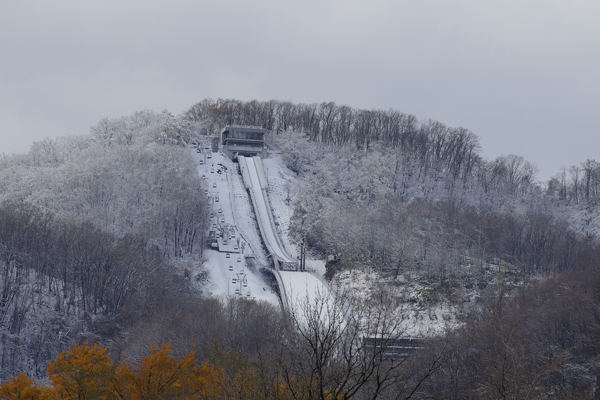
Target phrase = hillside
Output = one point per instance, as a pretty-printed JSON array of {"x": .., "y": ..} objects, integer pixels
[
  {"x": 104, "y": 239},
  {"x": 91, "y": 228}
]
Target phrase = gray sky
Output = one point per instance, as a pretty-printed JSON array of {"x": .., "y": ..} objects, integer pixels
[{"x": 523, "y": 75}]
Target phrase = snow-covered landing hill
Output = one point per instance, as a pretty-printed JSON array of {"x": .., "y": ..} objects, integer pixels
[
  {"x": 225, "y": 184},
  {"x": 235, "y": 269}
]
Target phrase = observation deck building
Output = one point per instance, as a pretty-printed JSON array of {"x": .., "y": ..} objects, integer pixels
[{"x": 245, "y": 141}]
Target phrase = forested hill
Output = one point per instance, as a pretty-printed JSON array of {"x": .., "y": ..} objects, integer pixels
[
  {"x": 92, "y": 229},
  {"x": 410, "y": 150},
  {"x": 416, "y": 203},
  {"x": 432, "y": 143},
  {"x": 102, "y": 239},
  {"x": 413, "y": 207}
]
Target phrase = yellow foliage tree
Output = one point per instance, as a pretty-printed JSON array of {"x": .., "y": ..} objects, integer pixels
[
  {"x": 20, "y": 387},
  {"x": 158, "y": 376},
  {"x": 84, "y": 372},
  {"x": 208, "y": 381}
]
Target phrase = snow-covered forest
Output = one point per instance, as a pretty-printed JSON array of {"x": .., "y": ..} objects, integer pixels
[
  {"x": 87, "y": 224},
  {"x": 98, "y": 234}
]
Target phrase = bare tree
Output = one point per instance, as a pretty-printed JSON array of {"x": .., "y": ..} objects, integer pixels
[
  {"x": 575, "y": 182},
  {"x": 349, "y": 351},
  {"x": 591, "y": 187}
]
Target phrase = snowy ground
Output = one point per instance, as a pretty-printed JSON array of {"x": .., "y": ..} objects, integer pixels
[
  {"x": 282, "y": 191},
  {"x": 303, "y": 287},
  {"x": 416, "y": 320},
  {"x": 233, "y": 212},
  {"x": 281, "y": 183}
]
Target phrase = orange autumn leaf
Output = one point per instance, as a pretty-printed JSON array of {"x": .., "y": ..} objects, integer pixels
[
  {"x": 158, "y": 375},
  {"x": 84, "y": 372},
  {"x": 20, "y": 387}
]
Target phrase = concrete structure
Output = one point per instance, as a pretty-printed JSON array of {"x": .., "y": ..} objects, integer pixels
[
  {"x": 247, "y": 141},
  {"x": 255, "y": 180}
]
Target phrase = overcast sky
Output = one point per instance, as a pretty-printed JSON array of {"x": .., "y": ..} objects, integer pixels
[{"x": 523, "y": 75}]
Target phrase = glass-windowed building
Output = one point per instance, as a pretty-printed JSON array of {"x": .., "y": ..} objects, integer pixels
[{"x": 245, "y": 141}]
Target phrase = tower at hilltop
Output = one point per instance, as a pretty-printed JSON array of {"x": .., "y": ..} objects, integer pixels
[{"x": 245, "y": 141}]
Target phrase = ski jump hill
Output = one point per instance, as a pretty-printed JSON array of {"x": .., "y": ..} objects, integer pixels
[{"x": 296, "y": 287}]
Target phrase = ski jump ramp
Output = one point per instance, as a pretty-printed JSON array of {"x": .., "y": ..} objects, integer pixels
[
  {"x": 255, "y": 182},
  {"x": 295, "y": 287}
]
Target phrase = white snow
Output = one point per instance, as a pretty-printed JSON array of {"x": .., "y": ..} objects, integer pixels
[
  {"x": 416, "y": 320},
  {"x": 298, "y": 287},
  {"x": 234, "y": 207},
  {"x": 225, "y": 184},
  {"x": 251, "y": 171}
]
